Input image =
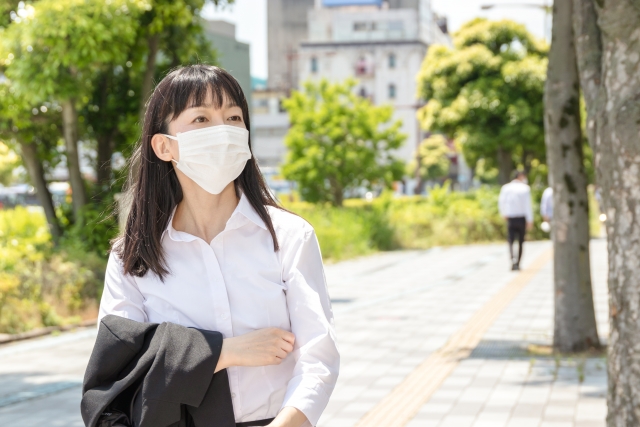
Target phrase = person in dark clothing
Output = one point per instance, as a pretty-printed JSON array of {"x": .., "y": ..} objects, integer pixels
[
  {"x": 515, "y": 207},
  {"x": 516, "y": 229}
]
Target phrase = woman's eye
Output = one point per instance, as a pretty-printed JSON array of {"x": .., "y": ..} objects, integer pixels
[
  {"x": 200, "y": 119},
  {"x": 235, "y": 118}
]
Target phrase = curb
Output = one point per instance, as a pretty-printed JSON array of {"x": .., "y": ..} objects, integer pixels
[{"x": 39, "y": 332}]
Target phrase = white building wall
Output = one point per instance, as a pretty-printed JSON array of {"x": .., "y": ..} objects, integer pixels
[
  {"x": 337, "y": 62},
  {"x": 267, "y": 137}
]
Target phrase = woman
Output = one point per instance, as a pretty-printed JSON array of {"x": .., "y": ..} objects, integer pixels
[{"x": 207, "y": 246}]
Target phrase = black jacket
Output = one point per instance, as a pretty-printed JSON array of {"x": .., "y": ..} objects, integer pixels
[{"x": 162, "y": 374}]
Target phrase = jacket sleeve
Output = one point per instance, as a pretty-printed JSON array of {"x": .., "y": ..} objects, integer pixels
[
  {"x": 118, "y": 343},
  {"x": 317, "y": 358},
  {"x": 121, "y": 296},
  {"x": 183, "y": 373}
]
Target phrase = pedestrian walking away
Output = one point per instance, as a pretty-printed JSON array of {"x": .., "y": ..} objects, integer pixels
[
  {"x": 515, "y": 207},
  {"x": 228, "y": 317},
  {"x": 546, "y": 209}
]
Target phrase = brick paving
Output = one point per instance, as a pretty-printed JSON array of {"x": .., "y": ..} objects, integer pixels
[{"x": 392, "y": 311}]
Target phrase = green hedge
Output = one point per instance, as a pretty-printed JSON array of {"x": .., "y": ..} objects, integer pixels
[
  {"x": 386, "y": 223},
  {"x": 41, "y": 285}
]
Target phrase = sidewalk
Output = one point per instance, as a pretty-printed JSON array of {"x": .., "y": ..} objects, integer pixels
[
  {"x": 500, "y": 383},
  {"x": 393, "y": 312}
]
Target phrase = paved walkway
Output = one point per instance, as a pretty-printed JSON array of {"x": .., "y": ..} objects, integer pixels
[{"x": 393, "y": 312}]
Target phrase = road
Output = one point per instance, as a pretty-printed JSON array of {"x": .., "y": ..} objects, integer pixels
[{"x": 400, "y": 317}]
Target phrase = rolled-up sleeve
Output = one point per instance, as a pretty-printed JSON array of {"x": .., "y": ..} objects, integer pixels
[
  {"x": 317, "y": 358},
  {"x": 121, "y": 296}
]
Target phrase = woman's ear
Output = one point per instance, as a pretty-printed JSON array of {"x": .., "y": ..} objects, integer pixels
[{"x": 160, "y": 145}]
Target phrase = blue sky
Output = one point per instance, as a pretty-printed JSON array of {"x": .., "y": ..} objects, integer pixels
[{"x": 250, "y": 17}]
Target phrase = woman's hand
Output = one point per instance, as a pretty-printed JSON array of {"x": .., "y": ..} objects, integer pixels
[{"x": 263, "y": 347}]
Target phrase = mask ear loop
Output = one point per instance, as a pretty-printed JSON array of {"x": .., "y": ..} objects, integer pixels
[{"x": 175, "y": 139}]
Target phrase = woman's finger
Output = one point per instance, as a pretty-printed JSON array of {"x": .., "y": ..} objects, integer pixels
[
  {"x": 287, "y": 347},
  {"x": 289, "y": 337}
]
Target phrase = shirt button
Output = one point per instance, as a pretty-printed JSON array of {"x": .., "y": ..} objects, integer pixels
[
  {"x": 233, "y": 395},
  {"x": 224, "y": 316}
]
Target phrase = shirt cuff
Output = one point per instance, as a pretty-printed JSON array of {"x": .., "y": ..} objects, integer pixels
[{"x": 310, "y": 398}]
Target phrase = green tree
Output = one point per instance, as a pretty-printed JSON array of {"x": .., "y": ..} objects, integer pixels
[
  {"x": 339, "y": 141},
  {"x": 9, "y": 161},
  {"x": 431, "y": 160},
  {"x": 34, "y": 132},
  {"x": 52, "y": 50},
  {"x": 171, "y": 27},
  {"x": 487, "y": 92}
]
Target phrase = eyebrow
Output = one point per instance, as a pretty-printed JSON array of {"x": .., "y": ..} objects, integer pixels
[{"x": 210, "y": 105}]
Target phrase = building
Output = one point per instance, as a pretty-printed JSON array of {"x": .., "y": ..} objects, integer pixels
[
  {"x": 269, "y": 125},
  {"x": 381, "y": 44},
  {"x": 287, "y": 27},
  {"x": 232, "y": 54}
]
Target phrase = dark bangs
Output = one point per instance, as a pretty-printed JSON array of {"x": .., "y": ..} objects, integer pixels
[
  {"x": 153, "y": 189},
  {"x": 189, "y": 87}
]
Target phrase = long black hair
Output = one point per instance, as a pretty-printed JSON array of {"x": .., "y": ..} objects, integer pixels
[{"x": 153, "y": 188}]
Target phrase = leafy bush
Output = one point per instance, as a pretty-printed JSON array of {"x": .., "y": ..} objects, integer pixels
[
  {"x": 441, "y": 218},
  {"x": 41, "y": 285},
  {"x": 358, "y": 228}
]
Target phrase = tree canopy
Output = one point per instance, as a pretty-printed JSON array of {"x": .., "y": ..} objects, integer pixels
[
  {"x": 78, "y": 72},
  {"x": 339, "y": 142},
  {"x": 431, "y": 159},
  {"x": 487, "y": 92}
]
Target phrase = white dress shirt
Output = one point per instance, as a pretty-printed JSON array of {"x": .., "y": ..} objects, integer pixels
[
  {"x": 546, "y": 204},
  {"x": 515, "y": 200},
  {"x": 238, "y": 284}
]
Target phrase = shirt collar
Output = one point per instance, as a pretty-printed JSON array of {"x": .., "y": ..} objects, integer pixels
[{"x": 243, "y": 209}]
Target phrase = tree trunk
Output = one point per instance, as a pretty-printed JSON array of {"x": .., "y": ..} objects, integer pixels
[
  {"x": 29, "y": 153},
  {"x": 103, "y": 167},
  {"x": 70, "y": 130},
  {"x": 574, "y": 317},
  {"x": 153, "y": 43},
  {"x": 588, "y": 42},
  {"x": 612, "y": 92},
  {"x": 336, "y": 191},
  {"x": 505, "y": 166}
]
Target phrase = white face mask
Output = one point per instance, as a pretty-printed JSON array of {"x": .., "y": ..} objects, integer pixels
[{"x": 213, "y": 156}]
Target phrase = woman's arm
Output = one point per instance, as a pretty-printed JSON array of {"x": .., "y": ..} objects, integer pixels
[
  {"x": 121, "y": 296},
  {"x": 317, "y": 359},
  {"x": 263, "y": 347},
  {"x": 289, "y": 417}
]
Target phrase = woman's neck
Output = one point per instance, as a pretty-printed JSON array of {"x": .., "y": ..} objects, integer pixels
[{"x": 203, "y": 214}]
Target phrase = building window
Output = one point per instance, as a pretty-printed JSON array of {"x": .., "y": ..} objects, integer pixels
[
  {"x": 363, "y": 92},
  {"x": 392, "y": 61},
  {"x": 360, "y": 26},
  {"x": 392, "y": 91},
  {"x": 361, "y": 67},
  {"x": 395, "y": 26},
  {"x": 314, "y": 65}
]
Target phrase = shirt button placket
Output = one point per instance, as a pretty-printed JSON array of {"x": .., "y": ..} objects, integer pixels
[{"x": 221, "y": 303}]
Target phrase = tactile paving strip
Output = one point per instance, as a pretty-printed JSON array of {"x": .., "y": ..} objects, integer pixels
[{"x": 404, "y": 401}]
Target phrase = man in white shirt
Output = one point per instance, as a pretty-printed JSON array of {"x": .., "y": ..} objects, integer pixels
[
  {"x": 546, "y": 204},
  {"x": 515, "y": 206}
]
